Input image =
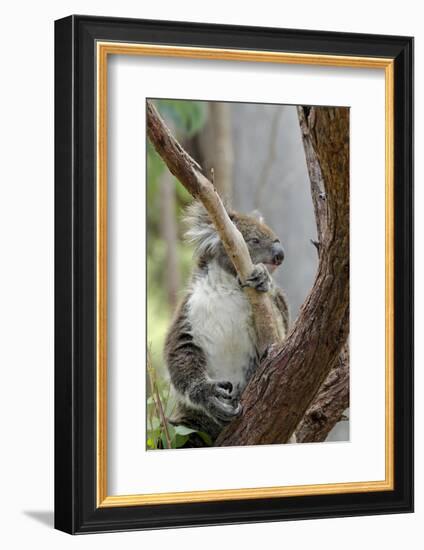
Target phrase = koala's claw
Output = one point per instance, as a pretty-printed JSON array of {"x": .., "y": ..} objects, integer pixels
[
  {"x": 218, "y": 398},
  {"x": 223, "y": 404},
  {"x": 260, "y": 279},
  {"x": 224, "y": 409}
]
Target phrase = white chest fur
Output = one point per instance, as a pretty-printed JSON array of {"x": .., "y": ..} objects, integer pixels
[{"x": 222, "y": 327}]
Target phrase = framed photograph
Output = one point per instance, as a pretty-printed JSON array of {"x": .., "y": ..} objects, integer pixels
[{"x": 234, "y": 274}]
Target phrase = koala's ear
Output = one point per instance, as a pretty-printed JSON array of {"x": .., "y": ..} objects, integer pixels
[{"x": 258, "y": 216}]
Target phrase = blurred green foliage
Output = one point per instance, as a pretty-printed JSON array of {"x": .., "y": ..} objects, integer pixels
[
  {"x": 158, "y": 310},
  {"x": 186, "y": 119}
]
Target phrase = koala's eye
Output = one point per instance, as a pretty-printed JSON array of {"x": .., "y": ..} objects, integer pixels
[{"x": 254, "y": 240}]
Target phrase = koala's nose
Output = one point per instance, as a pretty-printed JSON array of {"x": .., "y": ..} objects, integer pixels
[{"x": 277, "y": 253}]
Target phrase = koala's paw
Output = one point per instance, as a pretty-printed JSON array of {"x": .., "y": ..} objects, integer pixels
[
  {"x": 219, "y": 400},
  {"x": 260, "y": 279},
  {"x": 222, "y": 402}
]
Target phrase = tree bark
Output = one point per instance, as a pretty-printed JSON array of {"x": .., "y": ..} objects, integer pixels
[
  {"x": 190, "y": 174},
  {"x": 333, "y": 397},
  {"x": 283, "y": 387},
  {"x": 329, "y": 405}
]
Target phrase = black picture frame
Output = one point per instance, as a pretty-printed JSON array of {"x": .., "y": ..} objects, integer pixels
[{"x": 76, "y": 510}]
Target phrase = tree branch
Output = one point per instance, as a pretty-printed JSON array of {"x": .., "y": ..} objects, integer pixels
[
  {"x": 330, "y": 403},
  {"x": 190, "y": 174}
]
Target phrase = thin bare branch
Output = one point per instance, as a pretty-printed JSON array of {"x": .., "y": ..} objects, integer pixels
[{"x": 157, "y": 400}]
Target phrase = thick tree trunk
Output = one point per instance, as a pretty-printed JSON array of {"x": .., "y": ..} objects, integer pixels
[
  {"x": 333, "y": 397},
  {"x": 284, "y": 386},
  {"x": 262, "y": 190},
  {"x": 190, "y": 174},
  {"x": 216, "y": 146}
]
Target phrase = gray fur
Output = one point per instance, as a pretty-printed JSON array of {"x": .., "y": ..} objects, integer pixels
[
  {"x": 210, "y": 349},
  {"x": 200, "y": 233}
]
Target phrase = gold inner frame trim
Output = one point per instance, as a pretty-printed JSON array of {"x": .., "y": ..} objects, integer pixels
[{"x": 119, "y": 48}]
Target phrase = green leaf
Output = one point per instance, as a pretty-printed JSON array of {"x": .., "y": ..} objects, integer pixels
[
  {"x": 172, "y": 433},
  {"x": 180, "y": 440},
  {"x": 183, "y": 430},
  {"x": 164, "y": 441}
]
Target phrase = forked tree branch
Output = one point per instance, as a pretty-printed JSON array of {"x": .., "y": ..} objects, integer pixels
[
  {"x": 332, "y": 398},
  {"x": 190, "y": 174},
  {"x": 284, "y": 386}
]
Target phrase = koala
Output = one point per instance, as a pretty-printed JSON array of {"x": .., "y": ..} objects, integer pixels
[{"x": 211, "y": 349}]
